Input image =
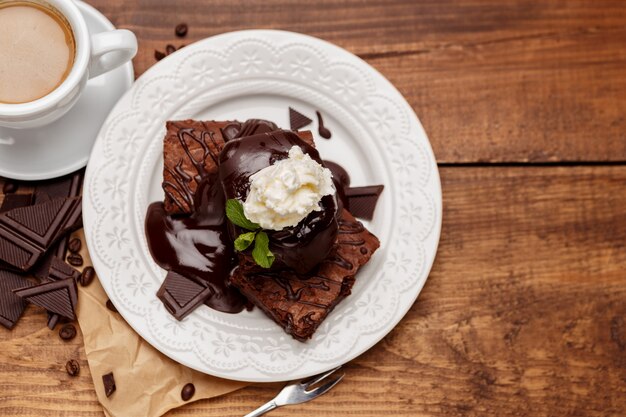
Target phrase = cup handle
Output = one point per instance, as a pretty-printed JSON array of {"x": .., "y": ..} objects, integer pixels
[{"x": 111, "y": 49}]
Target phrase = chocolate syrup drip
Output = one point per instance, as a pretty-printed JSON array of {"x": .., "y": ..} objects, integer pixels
[
  {"x": 350, "y": 227},
  {"x": 351, "y": 242},
  {"x": 340, "y": 261},
  {"x": 341, "y": 179},
  {"x": 322, "y": 130},
  {"x": 197, "y": 246},
  {"x": 300, "y": 247},
  {"x": 290, "y": 294},
  {"x": 236, "y": 130}
]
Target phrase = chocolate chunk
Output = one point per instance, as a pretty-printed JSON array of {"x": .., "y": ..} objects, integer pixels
[
  {"x": 74, "y": 245},
  {"x": 362, "y": 200},
  {"x": 181, "y": 30},
  {"x": 322, "y": 130},
  {"x": 297, "y": 120},
  {"x": 59, "y": 270},
  {"x": 11, "y": 306},
  {"x": 158, "y": 55},
  {"x": 110, "y": 306},
  {"x": 170, "y": 49},
  {"x": 75, "y": 259},
  {"x": 87, "y": 276},
  {"x": 72, "y": 367},
  {"x": 181, "y": 295},
  {"x": 27, "y": 233},
  {"x": 9, "y": 187},
  {"x": 67, "y": 332},
  {"x": 58, "y": 297},
  {"x": 66, "y": 186},
  {"x": 53, "y": 320},
  {"x": 13, "y": 201},
  {"x": 187, "y": 392},
  {"x": 300, "y": 303},
  {"x": 109, "y": 384}
]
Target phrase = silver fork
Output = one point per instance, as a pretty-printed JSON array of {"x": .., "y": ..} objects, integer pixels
[{"x": 298, "y": 392}]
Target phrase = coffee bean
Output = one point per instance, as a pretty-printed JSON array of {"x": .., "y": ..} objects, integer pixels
[
  {"x": 74, "y": 245},
  {"x": 158, "y": 55},
  {"x": 9, "y": 187},
  {"x": 110, "y": 306},
  {"x": 87, "y": 276},
  {"x": 170, "y": 49},
  {"x": 72, "y": 367},
  {"x": 74, "y": 259},
  {"x": 67, "y": 332},
  {"x": 187, "y": 392},
  {"x": 181, "y": 30}
]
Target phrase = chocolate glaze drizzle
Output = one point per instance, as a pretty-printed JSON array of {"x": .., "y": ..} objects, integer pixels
[
  {"x": 300, "y": 247},
  {"x": 197, "y": 246}
]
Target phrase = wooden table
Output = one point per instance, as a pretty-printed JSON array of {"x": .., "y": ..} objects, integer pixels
[{"x": 524, "y": 311}]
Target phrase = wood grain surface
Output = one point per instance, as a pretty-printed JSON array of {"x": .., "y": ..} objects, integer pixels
[
  {"x": 524, "y": 313},
  {"x": 491, "y": 80}
]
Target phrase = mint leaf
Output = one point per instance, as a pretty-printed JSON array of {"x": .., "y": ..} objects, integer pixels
[
  {"x": 244, "y": 240},
  {"x": 261, "y": 252},
  {"x": 234, "y": 212}
]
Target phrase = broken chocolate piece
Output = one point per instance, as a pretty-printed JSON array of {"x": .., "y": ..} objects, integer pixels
[
  {"x": 59, "y": 270},
  {"x": 362, "y": 200},
  {"x": 13, "y": 201},
  {"x": 53, "y": 320},
  {"x": 27, "y": 233},
  {"x": 11, "y": 306},
  {"x": 58, "y": 297},
  {"x": 72, "y": 367},
  {"x": 109, "y": 384},
  {"x": 181, "y": 295},
  {"x": 297, "y": 120},
  {"x": 66, "y": 186},
  {"x": 299, "y": 303}
]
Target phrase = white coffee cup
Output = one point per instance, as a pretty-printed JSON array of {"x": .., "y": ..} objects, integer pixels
[{"x": 94, "y": 55}]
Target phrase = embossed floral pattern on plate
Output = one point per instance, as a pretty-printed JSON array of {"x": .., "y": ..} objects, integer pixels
[{"x": 125, "y": 163}]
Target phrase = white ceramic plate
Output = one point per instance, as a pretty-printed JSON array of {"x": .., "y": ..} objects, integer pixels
[
  {"x": 259, "y": 73},
  {"x": 64, "y": 146}
]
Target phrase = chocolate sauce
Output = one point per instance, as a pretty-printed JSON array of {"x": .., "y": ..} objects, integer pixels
[
  {"x": 322, "y": 130},
  {"x": 197, "y": 246},
  {"x": 300, "y": 247}
]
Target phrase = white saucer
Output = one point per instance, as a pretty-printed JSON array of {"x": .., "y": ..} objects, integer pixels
[{"x": 64, "y": 146}]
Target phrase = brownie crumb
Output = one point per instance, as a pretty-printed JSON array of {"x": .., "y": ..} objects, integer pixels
[{"x": 158, "y": 55}]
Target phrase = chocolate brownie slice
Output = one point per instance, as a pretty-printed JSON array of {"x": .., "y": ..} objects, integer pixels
[
  {"x": 190, "y": 151},
  {"x": 299, "y": 303}
]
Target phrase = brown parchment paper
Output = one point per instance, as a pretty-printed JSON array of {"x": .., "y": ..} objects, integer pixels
[{"x": 148, "y": 383}]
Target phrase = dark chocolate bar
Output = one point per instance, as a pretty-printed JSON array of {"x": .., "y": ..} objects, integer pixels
[
  {"x": 27, "y": 233},
  {"x": 13, "y": 201},
  {"x": 181, "y": 295},
  {"x": 11, "y": 306},
  {"x": 58, "y": 297}
]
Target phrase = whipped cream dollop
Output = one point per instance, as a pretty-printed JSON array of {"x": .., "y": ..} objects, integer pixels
[{"x": 283, "y": 194}]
